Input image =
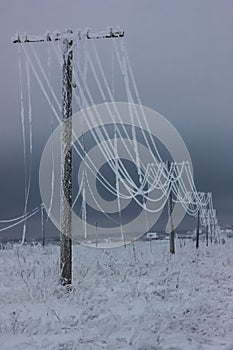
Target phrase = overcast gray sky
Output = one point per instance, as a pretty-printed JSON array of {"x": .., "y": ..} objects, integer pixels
[{"x": 182, "y": 56}]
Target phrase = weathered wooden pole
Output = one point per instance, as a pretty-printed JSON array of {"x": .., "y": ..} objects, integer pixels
[
  {"x": 207, "y": 235},
  {"x": 198, "y": 229},
  {"x": 211, "y": 233},
  {"x": 42, "y": 225},
  {"x": 96, "y": 239},
  {"x": 172, "y": 233},
  {"x": 66, "y": 166}
]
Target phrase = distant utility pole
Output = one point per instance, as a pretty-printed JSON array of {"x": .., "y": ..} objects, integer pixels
[
  {"x": 198, "y": 229},
  {"x": 67, "y": 39},
  {"x": 207, "y": 235},
  {"x": 42, "y": 225},
  {"x": 211, "y": 232},
  {"x": 170, "y": 208}
]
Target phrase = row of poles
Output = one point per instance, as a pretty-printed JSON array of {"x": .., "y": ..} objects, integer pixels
[{"x": 69, "y": 39}]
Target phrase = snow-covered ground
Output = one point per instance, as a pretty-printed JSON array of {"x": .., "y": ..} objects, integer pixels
[{"x": 120, "y": 300}]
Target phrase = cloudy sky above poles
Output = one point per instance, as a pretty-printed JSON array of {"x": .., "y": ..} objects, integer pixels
[{"x": 182, "y": 55}]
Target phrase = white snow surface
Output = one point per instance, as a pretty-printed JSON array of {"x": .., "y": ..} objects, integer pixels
[{"x": 119, "y": 300}]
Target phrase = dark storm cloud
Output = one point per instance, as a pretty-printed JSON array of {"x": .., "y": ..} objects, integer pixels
[{"x": 181, "y": 53}]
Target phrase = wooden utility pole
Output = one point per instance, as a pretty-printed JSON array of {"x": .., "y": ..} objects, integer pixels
[
  {"x": 207, "y": 235},
  {"x": 42, "y": 225},
  {"x": 211, "y": 232},
  {"x": 66, "y": 166},
  {"x": 198, "y": 229},
  {"x": 170, "y": 208},
  {"x": 66, "y": 139}
]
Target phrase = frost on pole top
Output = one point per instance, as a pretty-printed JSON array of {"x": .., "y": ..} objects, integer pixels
[{"x": 69, "y": 34}]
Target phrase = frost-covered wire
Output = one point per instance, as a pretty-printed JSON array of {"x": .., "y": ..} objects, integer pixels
[{"x": 22, "y": 219}]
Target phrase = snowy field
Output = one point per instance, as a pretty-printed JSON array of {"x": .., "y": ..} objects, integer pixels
[{"x": 121, "y": 300}]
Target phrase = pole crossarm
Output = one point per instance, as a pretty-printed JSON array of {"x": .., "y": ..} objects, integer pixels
[
  {"x": 103, "y": 35},
  {"x": 110, "y": 33}
]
